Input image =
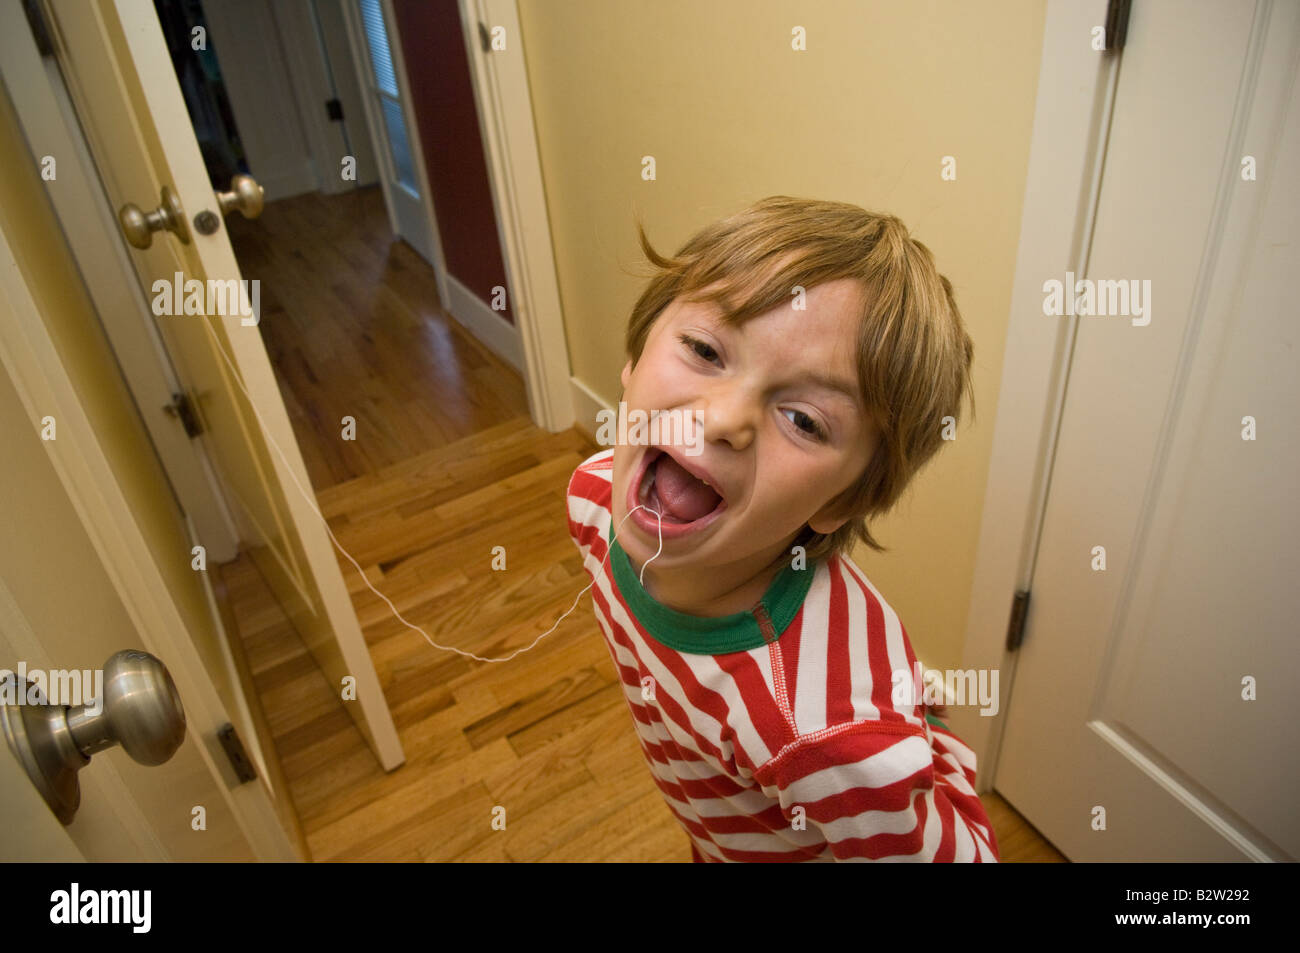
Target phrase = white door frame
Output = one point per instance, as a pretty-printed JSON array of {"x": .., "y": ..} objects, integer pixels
[
  {"x": 505, "y": 112},
  {"x": 1076, "y": 86}
]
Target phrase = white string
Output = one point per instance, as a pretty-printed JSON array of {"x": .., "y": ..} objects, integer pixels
[
  {"x": 642, "y": 506},
  {"x": 315, "y": 509}
]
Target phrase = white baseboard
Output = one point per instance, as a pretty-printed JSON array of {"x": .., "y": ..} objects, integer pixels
[
  {"x": 488, "y": 326},
  {"x": 586, "y": 404}
]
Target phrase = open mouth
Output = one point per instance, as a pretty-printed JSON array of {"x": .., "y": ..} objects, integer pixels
[{"x": 686, "y": 502}]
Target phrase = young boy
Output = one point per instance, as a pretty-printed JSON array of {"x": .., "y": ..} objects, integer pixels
[{"x": 821, "y": 351}]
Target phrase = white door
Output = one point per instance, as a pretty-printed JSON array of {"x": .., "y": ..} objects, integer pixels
[
  {"x": 245, "y": 37},
  {"x": 1151, "y": 717},
  {"x": 120, "y": 77},
  {"x": 64, "y": 606},
  {"x": 90, "y": 225},
  {"x": 378, "y": 59},
  {"x": 35, "y": 835}
]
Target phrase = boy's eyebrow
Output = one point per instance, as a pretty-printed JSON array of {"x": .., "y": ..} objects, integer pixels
[
  {"x": 836, "y": 384},
  {"x": 817, "y": 378}
]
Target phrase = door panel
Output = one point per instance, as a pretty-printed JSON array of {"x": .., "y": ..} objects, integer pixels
[
  {"x": 1131, "y": 695},
  {"x": 35, "y": 835},
  {"x": 115, "y": 61}
]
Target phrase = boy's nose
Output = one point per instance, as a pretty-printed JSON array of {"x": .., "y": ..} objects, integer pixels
[{"x": 731, "y": 417}]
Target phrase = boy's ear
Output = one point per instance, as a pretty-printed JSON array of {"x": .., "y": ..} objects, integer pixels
[
  {"x": 825, "y": 521},
  {"x": 627, "y": 373},
  {"x": 834, "y": 514}
]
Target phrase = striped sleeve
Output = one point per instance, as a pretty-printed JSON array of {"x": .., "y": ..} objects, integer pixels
[
  {"x": 879, "y": 791},
  {"x": 588, "y": 501}
]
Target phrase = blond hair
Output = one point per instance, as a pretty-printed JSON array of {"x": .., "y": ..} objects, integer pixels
[{"x": 914, "y": 355}]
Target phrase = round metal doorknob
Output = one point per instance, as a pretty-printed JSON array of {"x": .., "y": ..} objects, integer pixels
[
  {"x": 245, "y": 196},
  {"x": 138, "y": 226},
  {"x": 139, "y": 709}
]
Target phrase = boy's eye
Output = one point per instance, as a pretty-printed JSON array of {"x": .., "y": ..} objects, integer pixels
[
  {"x": 699, "y": 347},
  {"x": 806, "y": 424}
]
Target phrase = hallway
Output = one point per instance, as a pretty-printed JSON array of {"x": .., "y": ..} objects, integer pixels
[{"x": 446, "y": 466}]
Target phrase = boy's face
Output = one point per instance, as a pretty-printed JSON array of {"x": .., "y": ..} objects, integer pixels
[{"x": 784, "y": 431}]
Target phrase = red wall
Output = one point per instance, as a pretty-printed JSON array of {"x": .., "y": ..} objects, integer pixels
[{"x": 442, "y": 99}]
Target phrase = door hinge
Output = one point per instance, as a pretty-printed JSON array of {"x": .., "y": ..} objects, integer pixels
[
  {"x": 334, "y": 109},
  {"x": 182, "y": 408},
  {"x": 1016, "y": 627},
  {"x": 244, "y": 769},
  {"x": 1116, "y": 24},
  {"x": 484, "y": 37}
]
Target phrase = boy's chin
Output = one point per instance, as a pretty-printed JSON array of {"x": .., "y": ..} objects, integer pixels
[{"x": 678, "y": 558}]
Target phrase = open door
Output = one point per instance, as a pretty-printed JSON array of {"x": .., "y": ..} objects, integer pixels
[
  {"x": 115, "y": 63},
  {"x": 88, "y": 569},
  {"x": 384, "y": 97}
]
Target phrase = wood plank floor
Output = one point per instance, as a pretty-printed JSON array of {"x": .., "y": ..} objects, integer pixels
[
  {"x": 353, "y": 326},
  {"x": 421, "y": 504}
]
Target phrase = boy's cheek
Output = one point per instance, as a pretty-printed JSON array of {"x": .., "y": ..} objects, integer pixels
[
  {"x": 792, "y": 503},
  {"x": 619, "y": 468}
]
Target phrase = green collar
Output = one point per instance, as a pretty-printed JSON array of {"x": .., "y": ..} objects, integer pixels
[{"x": 718, "y": 635}]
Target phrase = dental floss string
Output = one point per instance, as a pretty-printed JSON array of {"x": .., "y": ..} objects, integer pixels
[{"x": 315, "y": 509}]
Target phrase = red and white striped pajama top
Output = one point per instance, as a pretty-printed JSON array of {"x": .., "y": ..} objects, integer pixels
[{"x": 771, "y": 733}]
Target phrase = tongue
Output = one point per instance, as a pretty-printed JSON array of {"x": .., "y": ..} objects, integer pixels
[{"x": 684, "y": 498}]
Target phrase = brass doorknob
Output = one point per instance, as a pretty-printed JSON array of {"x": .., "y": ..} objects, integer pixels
[
  {"x": 138, "y": 226},
  {"x": 139, "y": 709},
  {"x": 245, "y": 196}
]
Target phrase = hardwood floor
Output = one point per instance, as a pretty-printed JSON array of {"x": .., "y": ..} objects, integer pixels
[
  {"x": 547, "y": 736},
  {"x": 1018, "y": 841},
  {"x": 420, "y": 502},
  {"x": 353, "y": 326}
]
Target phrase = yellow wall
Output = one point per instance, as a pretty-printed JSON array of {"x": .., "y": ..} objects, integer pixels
[{"x": 731, "y": 114}]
